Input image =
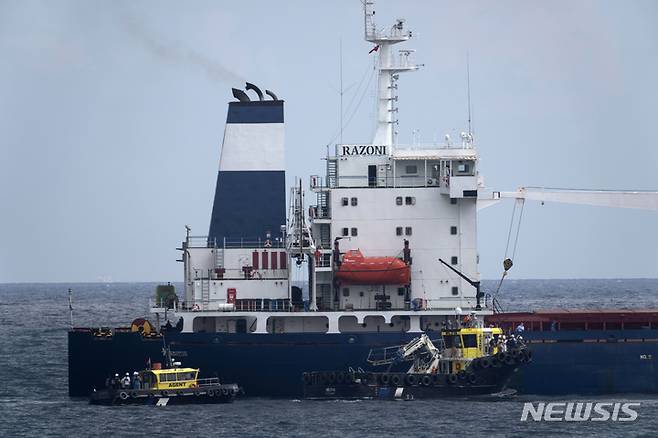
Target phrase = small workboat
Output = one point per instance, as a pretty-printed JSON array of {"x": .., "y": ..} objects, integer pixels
[
  {"x": 168, "y": 386},
  {"x": 463, "y": 362}
]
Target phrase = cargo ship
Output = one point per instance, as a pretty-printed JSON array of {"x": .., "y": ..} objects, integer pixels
[{"x": 386, "y": 245}]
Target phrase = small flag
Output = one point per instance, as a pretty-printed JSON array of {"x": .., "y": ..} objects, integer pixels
[
  {"x": 148, "y": 364},
  {"x": 374, "y": 49}
]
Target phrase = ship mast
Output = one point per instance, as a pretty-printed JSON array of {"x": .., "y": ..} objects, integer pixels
[{"x": 388, "y": 70}]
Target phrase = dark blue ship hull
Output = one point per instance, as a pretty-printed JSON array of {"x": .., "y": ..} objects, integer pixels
[{"x": 569, "y": 362}]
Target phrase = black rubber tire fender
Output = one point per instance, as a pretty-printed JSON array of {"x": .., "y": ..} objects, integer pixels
[
  {"x": 426, "y": 380},
  {"x": 452, "y": 378},
  {"x": 411, "y": 379},
  {"x": 396, "y": 379},
  {"x": 385, "y": 379}
]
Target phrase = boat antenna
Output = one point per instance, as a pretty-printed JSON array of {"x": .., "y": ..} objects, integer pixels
[
  {"x": 71, "y": 306},
  {"x": 340, "y": 62},
  {"x": 468, "y": 91}
]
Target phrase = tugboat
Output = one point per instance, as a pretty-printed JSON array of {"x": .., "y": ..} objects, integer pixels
[
  {"x": 162, "y": 387},
  {"x": 463, "y": 362}
]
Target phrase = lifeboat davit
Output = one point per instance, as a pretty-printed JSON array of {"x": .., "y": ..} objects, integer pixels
[{"x": 357, "y": 269}]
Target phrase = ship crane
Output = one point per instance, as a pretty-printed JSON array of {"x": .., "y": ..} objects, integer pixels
[
  {"x": 421, "y": 350},
  {"x": 299, "y": 241}
]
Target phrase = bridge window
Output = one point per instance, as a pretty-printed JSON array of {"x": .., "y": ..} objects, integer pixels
[
  {"x": 411, "y": 169},
  {"x": 346, "y": 232},
  {"x": 455, "y": 290},
  {"x": 355, "y": 232},
  {"x": 354, "y": 202},
  {"x": 407, "y": 231},
  {"x": 185, "y": 376},
  {"x": 345, "y": 202},
  {"x": 453, "y": 260},
  {"x": 398, "y": 231},
  {"x": 453, "y": 231},
  {"x": 346, "y": 292},
  {"x": 453, "y": 201},
  {"x": 469, "y": 341},
  {"x": 410, "y": 200},
  {"x": 398, "y": 200}
]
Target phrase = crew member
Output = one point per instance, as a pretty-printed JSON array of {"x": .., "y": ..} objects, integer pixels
[
  {"x": 137, "y": 381},
  {"x": 125, "y": 381}
]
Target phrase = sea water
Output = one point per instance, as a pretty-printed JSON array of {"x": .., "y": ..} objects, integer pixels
[{"x": 34, "y": 319}]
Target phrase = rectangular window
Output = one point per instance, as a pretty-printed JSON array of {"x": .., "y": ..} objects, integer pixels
[
  {"x": 398, "y": 231},
  {"x": 453, "y": 231},
  {"x": 453, "y": 260},
  {"x": 346, "y": 232},
  {"x": 355, "y": 232},
  {"x": 469, "y": 341},
  {"x": 400, "y": 291},
  {"x": 353, "y": 201},
  {"x": 398, "y": 200},
  {"x": 411, "y": 169},
  {"x": 346, "y": 292},
  {"x": 453, "y": 201},
  {"x": 410, "y": 200},
  {"x": 345, "y": 202},
  {"x": 275, "y": 260},
  {"x": 265, "y": 260},
  {"x": 407, "y": 231},
  {"x": 455, "y": 290}
]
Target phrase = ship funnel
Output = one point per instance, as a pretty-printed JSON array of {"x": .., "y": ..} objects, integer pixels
[{"x": 250, "y": 193}]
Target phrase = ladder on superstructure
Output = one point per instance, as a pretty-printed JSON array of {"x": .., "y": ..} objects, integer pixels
[{"x": 332, "y": 172}]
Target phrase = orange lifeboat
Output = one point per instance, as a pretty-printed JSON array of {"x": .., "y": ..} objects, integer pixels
[{"x": 357, "y": 269}]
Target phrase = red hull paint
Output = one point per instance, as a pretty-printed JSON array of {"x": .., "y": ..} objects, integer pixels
[{"x": 357, "y": 269}]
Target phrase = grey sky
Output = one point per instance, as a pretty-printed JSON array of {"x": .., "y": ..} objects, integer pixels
[{"x": 112, "y": 114}]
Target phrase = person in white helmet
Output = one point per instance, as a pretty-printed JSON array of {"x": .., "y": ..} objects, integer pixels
[
  {"x": 125, "y": 381},
  {"x": 137, "y": 381}
]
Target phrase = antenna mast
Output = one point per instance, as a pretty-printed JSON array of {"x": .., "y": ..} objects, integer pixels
[
  {"x": 468, "y": 92},
  {"x": 388, "y": 70}
]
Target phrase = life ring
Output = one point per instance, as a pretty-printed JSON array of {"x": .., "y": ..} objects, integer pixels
[
  {"x": 123, "y": 395},
  {"x": 412, "y": 379}
]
